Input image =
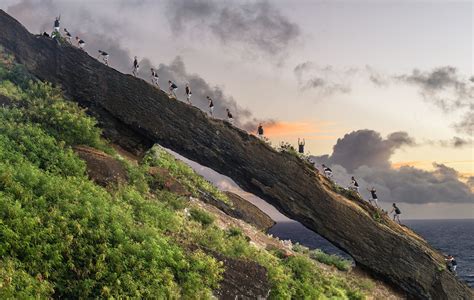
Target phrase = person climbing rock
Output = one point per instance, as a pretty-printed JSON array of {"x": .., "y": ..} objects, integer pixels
[
  {"x": 396, "y": 213},
  {"x": 354, "y": 185},
  {"x": 67, "y": 36},
  {"x": 56, "y": 23},
  {"x": 105, "y": 57},
  {"x": 260, "y": 131},
  {"x": 80, "y": 43},
  {"x": 136, "y": 66},
  {"x": 327, "y": 171},
  {"x": 173, "y": 88},
  {"x": 211, "y": 106},
  {"x": 301, "y": 146},
  {"x": 188, "y": 94},
  {"x": 154, "y": 78},
  {"x": 230, "y": 119},
  {"x": 373, "y": 194},
  {"x": 451, "y": 263}
]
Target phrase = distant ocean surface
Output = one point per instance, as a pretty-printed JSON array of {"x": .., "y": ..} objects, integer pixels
[{"x": 455, "y": 237}]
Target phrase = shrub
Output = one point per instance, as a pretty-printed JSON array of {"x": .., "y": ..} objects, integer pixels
[
  {"x": 201, "y": 216},
  {"x": 331, "y": 260}
]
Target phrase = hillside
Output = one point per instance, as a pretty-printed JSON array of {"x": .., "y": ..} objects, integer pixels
[
  {"x": 80, "y": 219},
  {"x": 135, "y": 116}
]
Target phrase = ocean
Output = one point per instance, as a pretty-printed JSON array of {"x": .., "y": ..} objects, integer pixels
[{"x": 455, "y": 237}]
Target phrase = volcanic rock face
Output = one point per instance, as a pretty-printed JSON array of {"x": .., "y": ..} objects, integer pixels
[{"x": 136, "y": 115}]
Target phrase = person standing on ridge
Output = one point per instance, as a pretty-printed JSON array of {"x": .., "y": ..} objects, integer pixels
[
  {"x": 105, "y": 57},
  {"x": 230, "y": 119},
  {"x": 396, "y": 213},
  {"x": 373, "y": 194},
  {"x": 80, "y": 43},
  {"x": 68, "y": 36},
  {"x": 301, "y": 146},
  {"x": 188, "y": 94},
  {"x": 354, "y": 185},
  {"x": 260, "y": 131},
  {"x": 56, "y": 23},
  {"x": 211, "y": 105},
  {"x": 135, "y": 66},
  {"x": 173, "y": 88},
  {"x": 154, "y": 78}
]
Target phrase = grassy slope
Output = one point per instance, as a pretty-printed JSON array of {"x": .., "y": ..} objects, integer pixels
[{"x": 63, "y": 236}]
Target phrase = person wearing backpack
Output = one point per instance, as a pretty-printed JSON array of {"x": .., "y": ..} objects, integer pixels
[
  {"x": 173, "y": 88},
  {"x": 396, "y": 213},
  {"x": 154, "y": 77},
  {"x": 136, "y": 66},
  {"x": 105, "y": 57},
  {"x": 373, "y": 194}
]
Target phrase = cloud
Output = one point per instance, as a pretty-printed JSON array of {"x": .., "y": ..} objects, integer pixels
[
  {"x": 258, "y": 25},
  {"x": 366, "y": 155},
  {"x": 466, "y": 125},
  {"x": 308, "y": 130},
  {"x": 367, "y": 147},
  {"x": 443, "y": 86},
  {"x": 455, "y": 142},
  {"x": 326, "y": 80}
]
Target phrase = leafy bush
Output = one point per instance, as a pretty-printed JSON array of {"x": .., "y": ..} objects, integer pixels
[
  {"x": 158, "y": 157},
  {"x": 201, "y": 216},
  {"x": 331, "y": 260}
]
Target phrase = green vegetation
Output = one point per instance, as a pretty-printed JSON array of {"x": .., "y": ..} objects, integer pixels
[
  {"x": 201, "y": 216},
  {"x": 62, "y": 236},
  {"x": 158, "y": 157},
  {"x": 331, "y": 260}
]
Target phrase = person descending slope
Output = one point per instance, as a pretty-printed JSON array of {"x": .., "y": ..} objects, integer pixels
[
  {"x": 173, "y": 88},
  {"x": 105, "y": 57},
  {"x": 154, "y": 78},
  {"x": 230, "y": 119},
  {"x": 260, "y": 131},
  {"x": 396, "y": 213},
  {"x": 56, "y": 23},
  {"x": 211, "y": 106},
  {"x": 135, "y": 66},
  {"x": 354, "y": 185},
  {"x": 188, "y": 94},
  {"x": 327, "y": 171},
  {"x": 80, "y": 43},
  {"x": 68, "y": 36},
  {"x": 301, "y": 146},
  {"x": 373, "y": 194}
]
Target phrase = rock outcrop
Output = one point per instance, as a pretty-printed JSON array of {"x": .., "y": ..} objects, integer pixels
[
  {"x": 135, "y": 115},
  {"x": 102, "y": 168}
]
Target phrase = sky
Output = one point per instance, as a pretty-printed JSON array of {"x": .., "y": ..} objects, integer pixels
[{"x": 389, "y": 83}]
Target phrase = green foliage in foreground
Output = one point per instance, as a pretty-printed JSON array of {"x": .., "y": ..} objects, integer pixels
[
  {"x": 62, "y": 236},
  {"x": 332, "y": 260}
]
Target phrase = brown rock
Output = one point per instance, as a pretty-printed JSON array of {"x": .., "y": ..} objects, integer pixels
[
  {"x": 101, "y": 167},
  {"x": 164, "y": 180},
  {"x": 250, "y": 213}
]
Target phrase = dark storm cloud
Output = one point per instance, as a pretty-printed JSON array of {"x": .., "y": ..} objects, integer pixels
[
  {"x": 259, "y": 25},
  {"x": 366, "y": 147},
  {"x": 366, "y": 155},
  {"x": 434, "y": 83}
]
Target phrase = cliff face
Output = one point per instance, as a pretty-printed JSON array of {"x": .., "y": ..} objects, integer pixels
[{"x": 135, "y": 115}]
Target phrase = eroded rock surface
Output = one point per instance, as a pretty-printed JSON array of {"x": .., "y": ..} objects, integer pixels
[{"x": 135, "y": 115}]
